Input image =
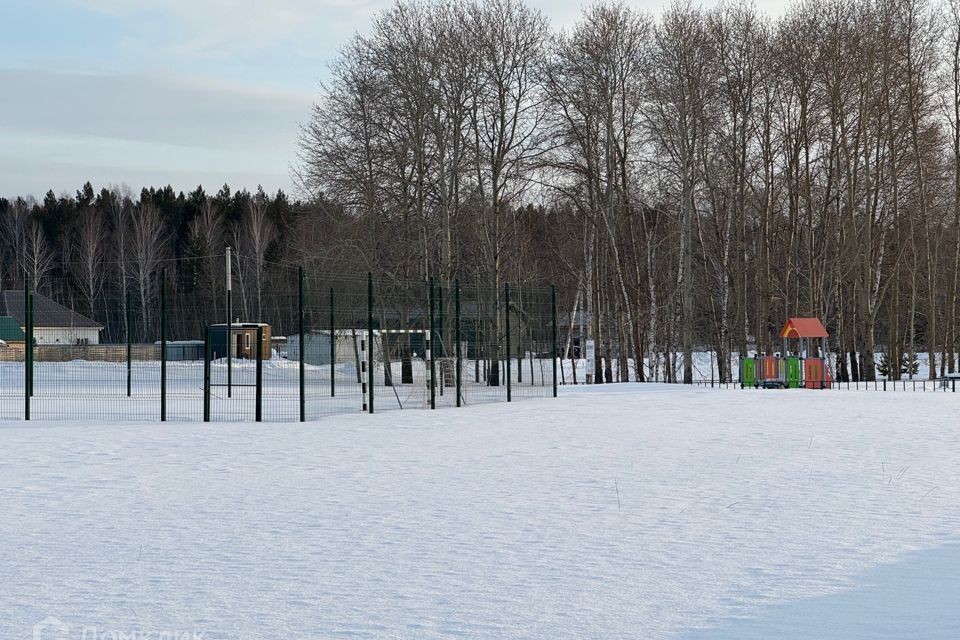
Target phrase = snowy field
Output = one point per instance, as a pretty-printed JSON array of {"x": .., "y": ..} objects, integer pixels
[
  {"x": 97, "y": 391},
  {"x": 641, "y": 511}
]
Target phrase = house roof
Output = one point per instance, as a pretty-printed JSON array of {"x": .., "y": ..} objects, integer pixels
[
  {"x": 46, "y": 312},
  {"x": 803, "y": 328},
  {"x": 10, "y": 331}
]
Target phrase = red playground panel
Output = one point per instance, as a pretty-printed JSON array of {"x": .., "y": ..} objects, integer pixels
[{"x": 815, "y": 375}]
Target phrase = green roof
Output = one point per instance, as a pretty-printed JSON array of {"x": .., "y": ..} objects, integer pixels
[{"x": 10, "y": 331}]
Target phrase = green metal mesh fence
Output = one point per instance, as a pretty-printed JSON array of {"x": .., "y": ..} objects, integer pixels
[{"x": 166, "y": 345}]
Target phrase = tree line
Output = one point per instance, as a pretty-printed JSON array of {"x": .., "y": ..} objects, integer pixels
[
  {"x": 700, "y": 175},
  {"x": 689, "y": 180},
  {"x": 99, "y": 252}
]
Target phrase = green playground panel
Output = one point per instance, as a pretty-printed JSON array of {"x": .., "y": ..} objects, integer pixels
[
  {"x": 793, "y": 372},
  {"x": 748, "y": 372}
]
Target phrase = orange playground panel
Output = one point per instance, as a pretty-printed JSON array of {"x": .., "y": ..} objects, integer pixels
[{"x": 815, "y": 375}]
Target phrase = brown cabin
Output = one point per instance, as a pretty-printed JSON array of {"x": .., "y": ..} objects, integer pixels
[{"x": 243, "y": 341}]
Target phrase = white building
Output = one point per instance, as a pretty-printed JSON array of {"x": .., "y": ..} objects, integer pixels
[
  {"x": 317, "y": 347},
  {"x": 53, "y": 323}
]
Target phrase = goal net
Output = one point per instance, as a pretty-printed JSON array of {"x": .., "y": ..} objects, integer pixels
[{"x": 401, "y": 364}]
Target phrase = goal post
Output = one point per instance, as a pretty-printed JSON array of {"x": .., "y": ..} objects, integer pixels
[{"x": 409, "y": 347}]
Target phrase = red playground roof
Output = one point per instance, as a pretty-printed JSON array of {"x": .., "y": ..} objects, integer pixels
[{"x": 803, "y": 328}]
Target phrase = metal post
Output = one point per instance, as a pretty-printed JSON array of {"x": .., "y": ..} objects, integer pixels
[
  {"x": 259, "y": 400},
  {"x": 163, "y": 346},
  {"x": 441, "y": 351},
  {"x": 506, "y": 315},
  {"x": 229, "y": 340},
  {"x": 333, "y": 350},
  {"x": 206, "y": 376},
  {"x": 440, "y": 345},
  {"x": 370, "y": 338},
  {"x": 303, "y": 397},
  {"x": 553, "y": 306},
  {"x": 456, "y": 310},
  {"x": 27, "y": 349},
  {"x": 363, "y": 376},
  {"x": 129, "y": 348},
  {"x": 31, "y": 339},
  {"x": 531, "y": 352},
  {"x": 432, "y": 337}
]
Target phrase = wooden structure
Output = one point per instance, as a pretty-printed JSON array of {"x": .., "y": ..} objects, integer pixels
[{"x": 242, "y": 342}]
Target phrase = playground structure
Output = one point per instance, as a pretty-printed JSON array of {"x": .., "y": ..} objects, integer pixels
[{"x": 804, "y": 368}]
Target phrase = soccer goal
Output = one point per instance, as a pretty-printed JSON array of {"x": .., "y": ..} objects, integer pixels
[{"x": 402, "y": 364}]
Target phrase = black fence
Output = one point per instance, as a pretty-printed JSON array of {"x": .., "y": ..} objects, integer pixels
[
  {"x": 942, "y": 385},
  {"x": 295, "y": 346}
]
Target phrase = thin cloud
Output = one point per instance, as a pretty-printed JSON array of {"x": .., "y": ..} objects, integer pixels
[
  {"x": 131, "y": 126},
  {"x": 149, "y": 107},
  {"x": 221, "y": 28}
]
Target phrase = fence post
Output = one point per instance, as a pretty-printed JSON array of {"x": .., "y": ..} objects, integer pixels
[
  {"x": 27, "y": 348},
  {"x": 553, "y": 311},
  {"x": 32, "y": 339},
  {"x": 259, "y": 398},
  {"x": 430, "y": 348},
  {"x": 365, "y": 407},
  {"x": 370, "y": 338},
  {"x": 303, "y": 398},
  {"x": 441, "y": 351},
  {"x": 129, "y": 348},
  {"x": 206, "y": 375},
  {"x": 333, "y": 350},
  {"x": 229, "y": 341},
  {"x": 363, "y": 375},
  {"x": 456, "y": 331},
  {"x": 441, "y": 323},
  {"x": 163, "y": 346},
  {"x": 506, "y": 315}
]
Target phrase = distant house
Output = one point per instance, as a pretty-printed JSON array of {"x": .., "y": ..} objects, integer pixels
[
  {"x": 572, "y": 330},
  {"x": 53, "y": 323},
  {"x": 10, "y": 331}
]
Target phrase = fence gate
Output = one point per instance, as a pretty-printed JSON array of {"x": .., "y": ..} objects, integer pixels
[{"x": 233, "y": 372}]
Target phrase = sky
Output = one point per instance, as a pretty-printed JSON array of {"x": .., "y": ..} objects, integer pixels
[{"x": 179, "y": 92}]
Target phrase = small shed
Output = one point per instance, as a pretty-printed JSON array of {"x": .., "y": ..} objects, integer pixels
[
  {"x": 243, "y": 342},
  {"x": 183, "y": 350},
  {"x": 316, "y": 347}
]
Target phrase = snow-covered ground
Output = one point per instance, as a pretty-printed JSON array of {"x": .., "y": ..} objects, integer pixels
[
  {"x": 642, "y": 511},
  {"x": 97, "y": 391}
]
